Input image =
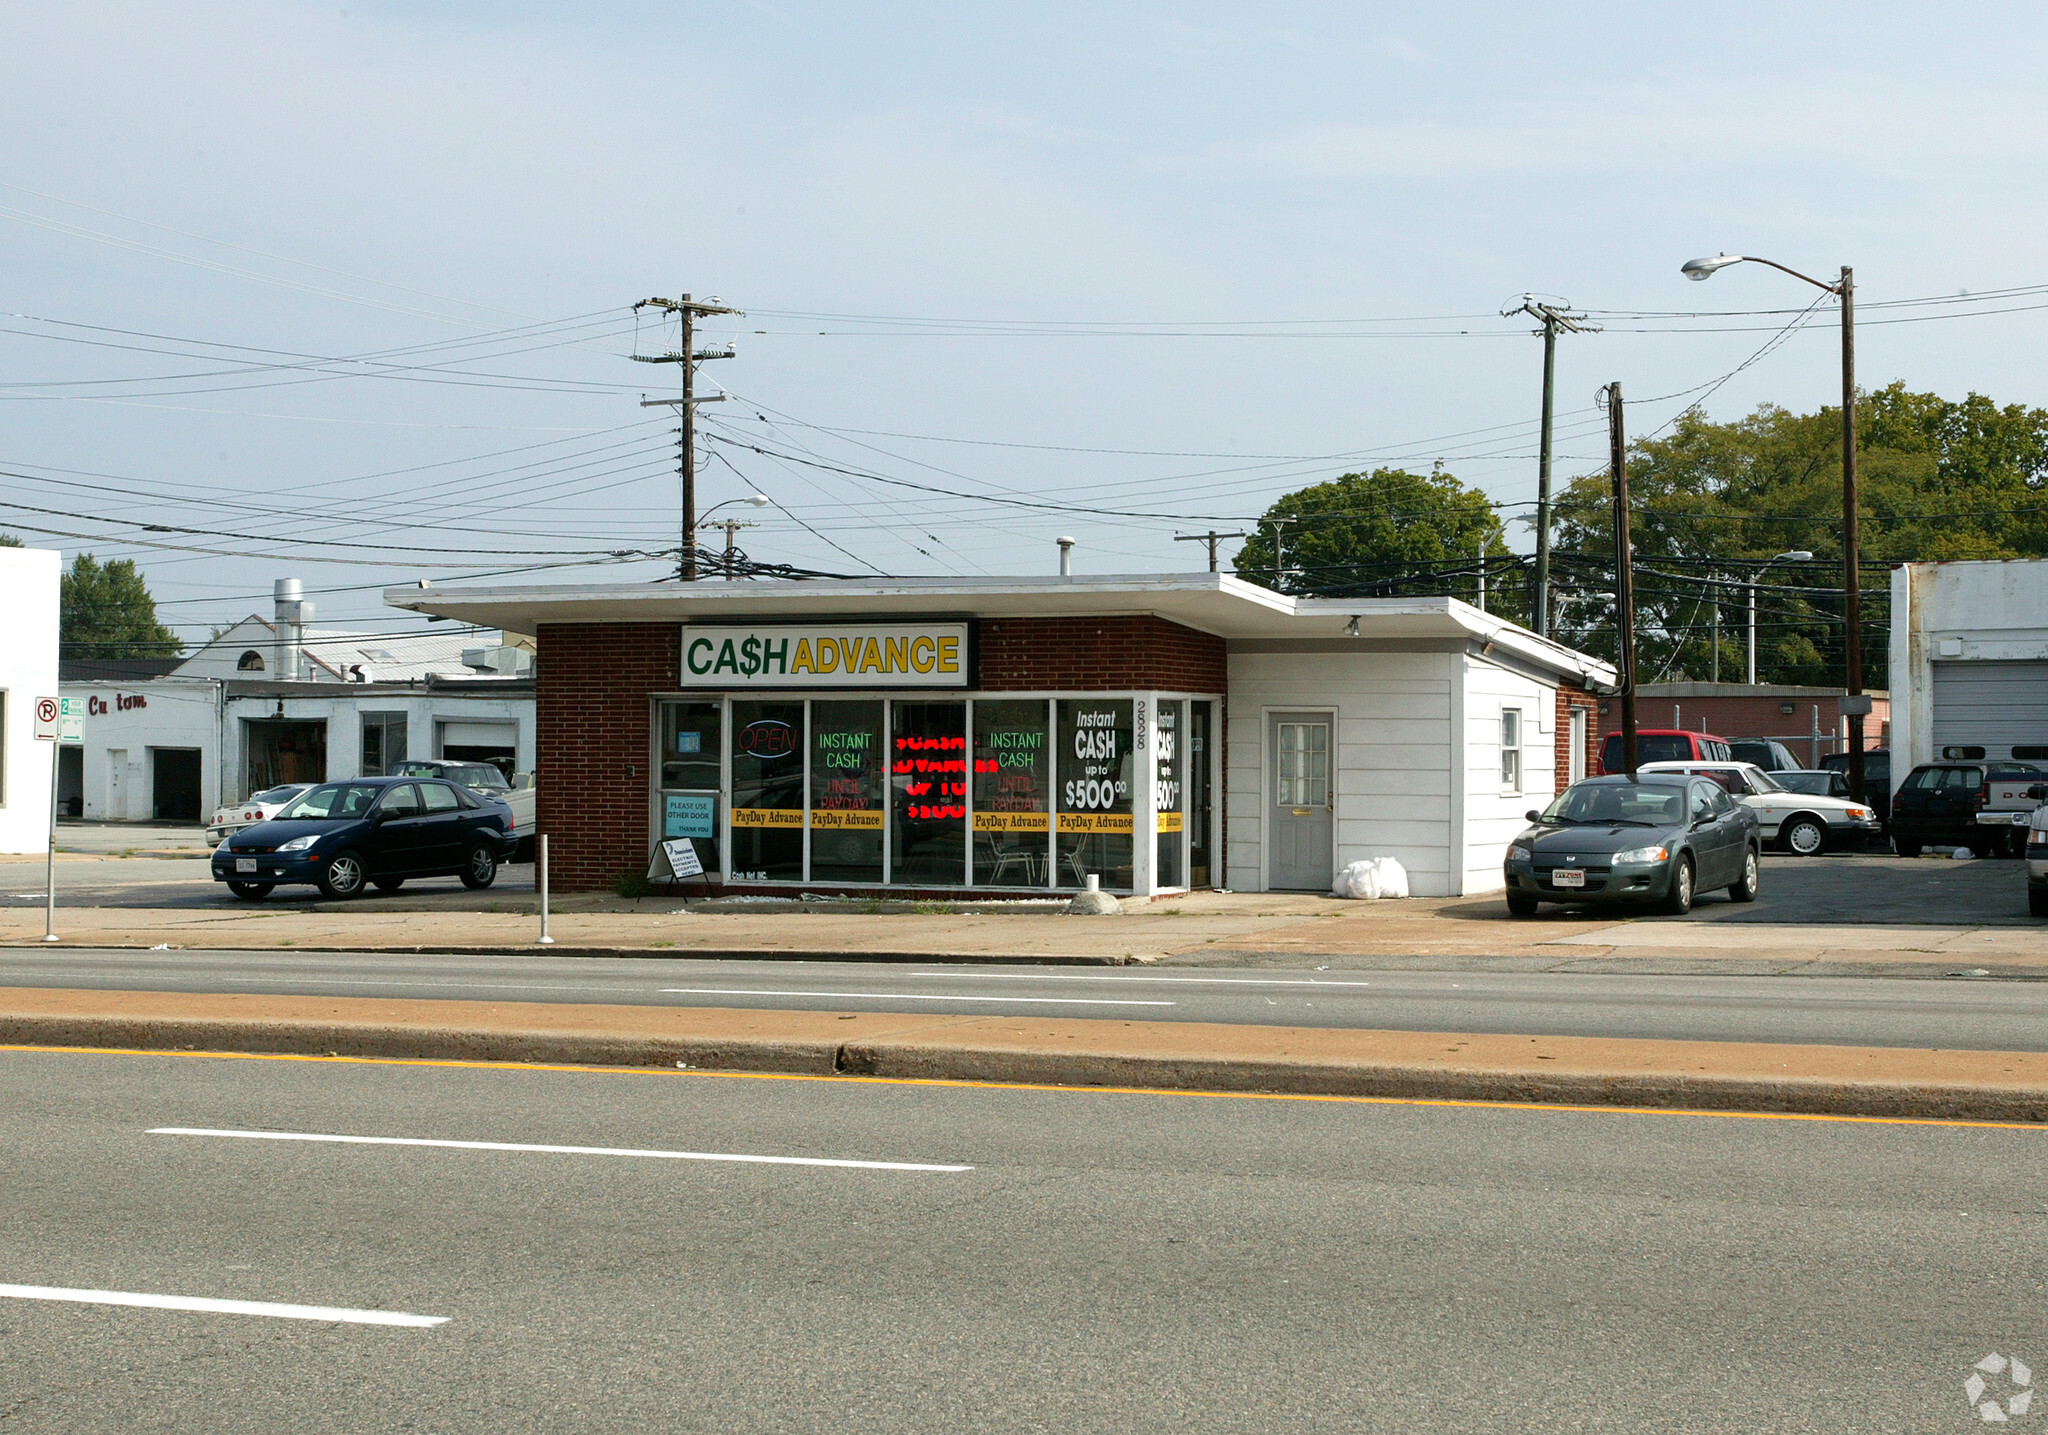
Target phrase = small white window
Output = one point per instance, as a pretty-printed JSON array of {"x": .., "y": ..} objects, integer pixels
[{"x": 1511, "y": 749}]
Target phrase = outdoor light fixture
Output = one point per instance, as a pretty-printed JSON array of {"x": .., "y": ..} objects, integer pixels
[{"x": 1704, "y": 268}]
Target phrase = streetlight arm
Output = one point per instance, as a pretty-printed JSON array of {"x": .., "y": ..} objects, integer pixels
[{"x": 1831, "y": 288}]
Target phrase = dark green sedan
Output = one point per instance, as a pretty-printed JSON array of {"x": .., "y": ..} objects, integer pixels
[{"x": 1656, "y": 839}]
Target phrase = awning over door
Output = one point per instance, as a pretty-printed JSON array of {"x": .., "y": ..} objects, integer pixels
[{"x": 1992, "y": 705}]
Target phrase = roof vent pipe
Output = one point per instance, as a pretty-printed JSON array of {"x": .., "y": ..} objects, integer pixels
[
  {"x": 1066, "y": 557},
  {"x": 292, "y": 613}
]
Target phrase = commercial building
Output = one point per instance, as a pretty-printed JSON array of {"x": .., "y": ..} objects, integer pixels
[
  {"x": 1969, "y": 660},
  {"x": 28, "y": 670},
  {"x": 1156, "y": 732},
  {"x": 1808, "y": 720}
]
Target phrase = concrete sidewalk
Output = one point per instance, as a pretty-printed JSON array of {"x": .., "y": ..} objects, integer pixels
[
  {"x": 1206, "y": 929},
  {"x": 1829, "y": 1080}
]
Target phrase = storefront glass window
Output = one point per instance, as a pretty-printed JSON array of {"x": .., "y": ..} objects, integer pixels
[
  {"x": 848, "y": 791},
  {"x": 1167, "y": 793},
  {"x": 689, "y": 776},
  {"x": 1094, "y": 741},
  {"x": 1012, "y": 793},
  {"x": 767, "y": 821},
  {"x": 928, "y": 776},
  {"x": 1199, "y": 802}
]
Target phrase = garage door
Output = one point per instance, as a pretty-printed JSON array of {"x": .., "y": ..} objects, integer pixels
[
  {"x": 1994, "y": 706},
  {"x": 478, "y": 734}
]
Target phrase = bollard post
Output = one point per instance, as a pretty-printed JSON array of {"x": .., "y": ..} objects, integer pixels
[{"x": 540, "y": 854}]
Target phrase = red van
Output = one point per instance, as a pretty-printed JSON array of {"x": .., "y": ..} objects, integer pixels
[{"x": 1666, "y": 744}]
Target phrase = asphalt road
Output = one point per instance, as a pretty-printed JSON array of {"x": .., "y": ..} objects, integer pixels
[
  {"x": 1105, "y": 1263},
  {"x": 1851, "y": 1011},
  {"x": 1835, "y": 890}
]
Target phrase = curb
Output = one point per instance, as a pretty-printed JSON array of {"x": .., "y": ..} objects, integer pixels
[
  {"x": 738, "y": 954},
  {"x": 936, "y": 1061}
]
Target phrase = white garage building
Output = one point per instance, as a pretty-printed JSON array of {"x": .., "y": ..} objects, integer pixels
[{"x": 1969, "y": 660}]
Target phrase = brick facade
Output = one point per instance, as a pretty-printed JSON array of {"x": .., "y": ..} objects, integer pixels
[
  {"x": 1569, "y": 697},
  {"x": 592, "y": 682},
  {"x": 1098, "y": 655}
]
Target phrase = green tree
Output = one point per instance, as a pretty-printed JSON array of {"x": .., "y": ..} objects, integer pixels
[
  {"x": 8, "y": 540},
  {"x": 1712, "y": 502},
  {"x": 1388, "y": 531},
  {"x": 105, "y": 611}
]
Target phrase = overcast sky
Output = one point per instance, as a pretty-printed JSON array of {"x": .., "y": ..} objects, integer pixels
[{"x": 1245, "y": 247}]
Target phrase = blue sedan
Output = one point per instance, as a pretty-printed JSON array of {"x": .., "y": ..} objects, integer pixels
[{"x": 370, "y": 831}]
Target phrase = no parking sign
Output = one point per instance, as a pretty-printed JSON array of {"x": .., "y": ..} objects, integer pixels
[{"x": 47, "y": 710}]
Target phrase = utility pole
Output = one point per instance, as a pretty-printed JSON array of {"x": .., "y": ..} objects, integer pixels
[
  {"x": 1852, "y": 567},
  {"x": 731, "y": 526},
  {"x": 1624, "y": 576},
  {"x": 688, "y": 310},
  {"x": 1211, "y": 538},
  {"x": 1553, "y": 317}
]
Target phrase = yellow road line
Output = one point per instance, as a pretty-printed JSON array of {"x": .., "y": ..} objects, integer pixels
[{"x": 1476, "y": 1104}]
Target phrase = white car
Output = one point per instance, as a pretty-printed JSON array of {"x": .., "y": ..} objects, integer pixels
[
  {"x": 234, "y": 816},
  {"x": 1801, "y": 822}
]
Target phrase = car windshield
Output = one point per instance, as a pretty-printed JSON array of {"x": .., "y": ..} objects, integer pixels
[
  {"x": 1633, "y": 803},
  {"x": 1764, "y": 781},
  {"x": 337, "y": 800},
  {"x": 279, "y": 794},
  {"x": 1813, "y": 784}
]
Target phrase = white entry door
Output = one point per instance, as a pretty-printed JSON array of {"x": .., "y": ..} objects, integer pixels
[
  {"x": 117, "y": 784},
  {"x": 1299, "y": 822}
]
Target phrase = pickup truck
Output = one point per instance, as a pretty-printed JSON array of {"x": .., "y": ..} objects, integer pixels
[
  {"x": 1981, "y": 805},
  {"x": 485, "y": 780}
]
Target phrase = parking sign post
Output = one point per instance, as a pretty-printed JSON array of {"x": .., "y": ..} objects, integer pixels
[{"x": 48, "y": 729}]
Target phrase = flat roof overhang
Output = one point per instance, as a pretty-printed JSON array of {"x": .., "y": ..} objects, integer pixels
[{"x": 1216, "y": 603}]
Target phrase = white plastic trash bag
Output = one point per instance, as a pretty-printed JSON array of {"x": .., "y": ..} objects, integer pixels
[
  {"x": 1360, "y": 880},
  {"x": 1393, "y": 877}
]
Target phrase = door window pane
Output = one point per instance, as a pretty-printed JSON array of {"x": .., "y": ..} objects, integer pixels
[
  {"x": 689, "y": 776},
  {"x": 439, "y": 797},
  {"x": 1167, "y": 794},
  {"x": 1198, "y": 800},
  {"x": 767, "y": 820},
  {"x": 928, "y": 775},
  {"x": 1094, "y": 740},
  {"x": 1304, "y": 777},
  {"x": 1012, "y": 794},
  {"x": 848, "y": 790}
]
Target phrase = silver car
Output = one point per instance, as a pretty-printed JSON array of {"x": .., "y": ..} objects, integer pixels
[{"x": 1802, "y": 823}]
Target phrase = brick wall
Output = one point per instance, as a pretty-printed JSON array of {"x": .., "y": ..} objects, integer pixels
[
  {"x": 592, "y": 682},
  {"x": 1569, "y": 697},
  {"x": 1098, "y": 654}
]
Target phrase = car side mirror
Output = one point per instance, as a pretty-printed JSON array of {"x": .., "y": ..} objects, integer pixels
[
  {"x": 381, "y": 816},
  {"x": 1533, "y": 815},
  {"x": 2039, "y": 792}
]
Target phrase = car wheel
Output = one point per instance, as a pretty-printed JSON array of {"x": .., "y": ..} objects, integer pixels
[
  {"x": 1805, "y": 836},
  {"x": 1905, "y": 848},
  {"x": 482, "y": 868},
  {"x": 389, "y": 884},
  {"x": 1521, "y": 904},
  {"x": 343, "y": 875},
  {"x": 1678, "y": 901},
  {"x": 2037, "y": 903},
  {"x": 1752, "y": 878},
  {"x": 251, "y": 891}
]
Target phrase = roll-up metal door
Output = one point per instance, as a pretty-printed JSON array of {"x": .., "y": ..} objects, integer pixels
[
  {"x": 456, "y": 733},
  {"x": 1992, "y": 705}
]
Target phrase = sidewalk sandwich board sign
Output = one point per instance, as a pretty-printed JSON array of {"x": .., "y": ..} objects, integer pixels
[{"x": 674, "y": 860}]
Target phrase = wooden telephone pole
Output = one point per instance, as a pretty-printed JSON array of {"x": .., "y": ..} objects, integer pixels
[
  {"x": 1624, "y": 576},
  {"x": 688, "y": 310}
]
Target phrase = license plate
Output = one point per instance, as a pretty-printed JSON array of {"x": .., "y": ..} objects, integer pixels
[
  {"x": 1567, "y": 877},
  {"x": 245, "y": 864}
]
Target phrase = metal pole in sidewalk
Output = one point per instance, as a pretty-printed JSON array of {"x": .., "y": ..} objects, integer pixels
[
  {"x": 541, "y": 856},
  {"x": 50, "y": 861}
]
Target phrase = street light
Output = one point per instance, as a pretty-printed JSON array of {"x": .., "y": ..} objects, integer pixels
[
  {"x": 1790, "y": 555},
  {"x": 1855, "y": 705}
]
